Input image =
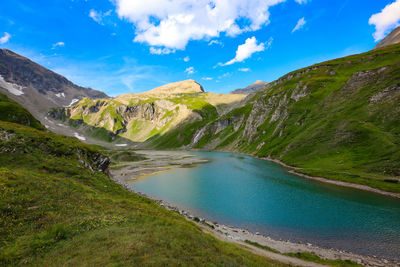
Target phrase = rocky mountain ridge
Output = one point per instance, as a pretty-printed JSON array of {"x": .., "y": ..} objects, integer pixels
[
  {"x": 258, "y": 85},
  {"x": 391, "y": 39},
  {"x": 181, "y": 87},
  {"x": 37, "y": 88}
]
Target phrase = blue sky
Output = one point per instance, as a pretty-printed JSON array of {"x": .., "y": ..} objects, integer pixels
[{"x": 131, "y": 46}]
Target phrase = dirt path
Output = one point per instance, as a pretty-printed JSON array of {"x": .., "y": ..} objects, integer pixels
[{"x": 262, "y": 252}]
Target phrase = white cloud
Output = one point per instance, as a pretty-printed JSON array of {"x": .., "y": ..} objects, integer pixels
[
  {"x": 301, "y": 1},
  {"x": 5, "y": 38},
  {"x": 59, "y": 44},
  {"x": 98, "y": 15},
  {"x": 386, "y": 20},
  {"x": 186, "y": 59},
  {"x": 225, "y": 75},
  {"x": 300, "y": 24},
  {"x": 173, "y": 23},
  {"x": 244, "y": 69},
  {"x": 216, "y": 42},
  {"x": 190, "y": 71},
  {"x": 247, "y": 49},
  {"x": 161, "y": 51},
  {"x": 207, "y": 78}
]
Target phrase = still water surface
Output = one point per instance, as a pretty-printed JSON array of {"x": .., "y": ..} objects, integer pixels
[{"x": 261, "y": 196}]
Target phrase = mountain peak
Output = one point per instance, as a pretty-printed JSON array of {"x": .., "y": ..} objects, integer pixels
[
  {"x": 182, "y": 87},
  {"x": 392, "y": 38},
  {"x": 257, "y": 85}
]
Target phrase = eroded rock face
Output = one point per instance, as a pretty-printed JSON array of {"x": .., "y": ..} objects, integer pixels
[
  {"x": 386, "y": 93},
  {"x": 147, "y": 111}
]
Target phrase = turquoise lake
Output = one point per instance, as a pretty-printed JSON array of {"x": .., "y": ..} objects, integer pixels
[{"x": 261, "y": 196}]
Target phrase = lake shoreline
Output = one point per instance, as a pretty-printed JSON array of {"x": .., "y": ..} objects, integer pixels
[
  {"x": 225, "y": 232},
  {"x": 292, "y": 170},
  {"x": 241, "y": 236}
]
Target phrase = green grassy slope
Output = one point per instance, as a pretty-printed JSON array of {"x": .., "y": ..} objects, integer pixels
[
  {"x": 56, "y": 211},
  {"x": 13, "y": 112},
  {"x": 139, "y": 117},
  {"x": 339, "y": 119}
]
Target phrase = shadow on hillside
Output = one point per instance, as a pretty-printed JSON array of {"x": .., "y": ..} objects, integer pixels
[
  {"x": 213, "y": 125},
  {"x": 214, "y": 117},
  {"x": 105, "y": 138}
]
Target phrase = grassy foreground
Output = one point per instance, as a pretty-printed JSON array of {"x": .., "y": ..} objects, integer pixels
[{"x": 56, "y": 211}]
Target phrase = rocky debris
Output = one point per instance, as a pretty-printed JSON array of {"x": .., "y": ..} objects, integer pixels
[
  {"x": 94, "y": 161},
  {"x": 361, "y": 79},
  {"x": 299, "y": 92},
  {"x": 6, "y": 136},
  {"x": 386, "y": 93}
]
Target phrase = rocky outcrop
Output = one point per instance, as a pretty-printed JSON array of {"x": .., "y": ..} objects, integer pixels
[
  {"x": 386, "y": 93},
  {"x": 146, "y": 111},
  {"x": 93, "y": 160}
]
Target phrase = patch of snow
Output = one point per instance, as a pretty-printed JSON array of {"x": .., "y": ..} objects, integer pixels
[
  {"x": 62, "y": 125},
  {"x": 47, "y": 119},
  {"x": 72, "y": 103},
  {"x": 47, "y": 126},
  {"x": 79, "y": 137},
  {"x": 14, "y": 89},
  {"x": 198, "y": 135},
  {"x": 60, "y": 95},
  {"x": 121, "y": 144}
]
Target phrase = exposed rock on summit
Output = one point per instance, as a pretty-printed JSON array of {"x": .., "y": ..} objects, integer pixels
[{"x": 392, "y": 38}]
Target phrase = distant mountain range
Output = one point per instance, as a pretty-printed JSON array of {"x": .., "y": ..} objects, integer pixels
[{"x": 251, "y": 88}]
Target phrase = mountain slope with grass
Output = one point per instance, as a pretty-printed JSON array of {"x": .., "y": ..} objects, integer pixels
[
  {"x": 138, "y": 117},
  {"x": 339, "y": 119},
  {"x": 12, "y": 112},
  {"x": 59, "y": 208}
]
